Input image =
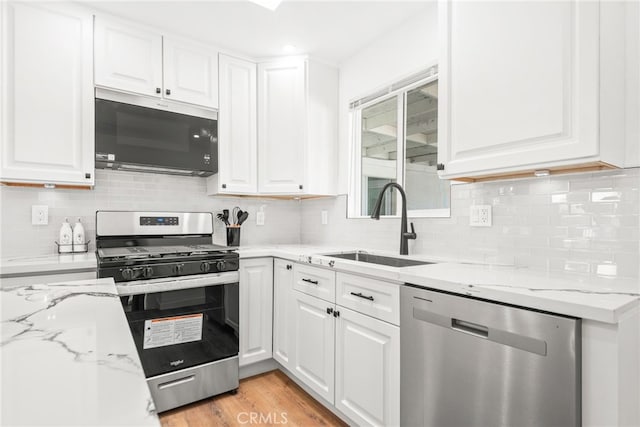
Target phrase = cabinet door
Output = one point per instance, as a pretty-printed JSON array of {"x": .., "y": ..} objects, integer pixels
[
  {"x": 256, "y": 309},
  {"x": 314, "y": 344},
  {"x": 127, "y": 58},
  {"x": 283, "y": 313},
  {"x": 367, "y": 369},
  {"x": 190, "y": 73},
  {"x": 237, "y": 146},
  {"x": 47, "y": 120},
  {"x": 519, "y": 85},
  {"x": 281, "y": 126}
]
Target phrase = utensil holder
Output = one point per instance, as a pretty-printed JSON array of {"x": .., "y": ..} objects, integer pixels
[{"x": 233, "y": 236}]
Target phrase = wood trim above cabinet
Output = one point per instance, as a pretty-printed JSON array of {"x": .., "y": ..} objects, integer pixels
[
  {"x": 46, "y": 185},
  {"x": 530, "y": 173}
]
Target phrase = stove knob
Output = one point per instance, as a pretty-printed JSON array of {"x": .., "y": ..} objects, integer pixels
[
  {"x": 221, "y": 265},
  {"x": 147, "y": 272},
  {"x": 127, "y": 274},
  {"x": 205, "y": 267},
  {"x": 178, "y": 268}
]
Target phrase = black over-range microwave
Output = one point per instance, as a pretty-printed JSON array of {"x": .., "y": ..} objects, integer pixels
[{"x": 153, "y": 135}]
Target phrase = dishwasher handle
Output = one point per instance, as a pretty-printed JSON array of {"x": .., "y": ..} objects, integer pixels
[
  {"x": 497, "y": 335},
  {"x": 470, "y": 328}
]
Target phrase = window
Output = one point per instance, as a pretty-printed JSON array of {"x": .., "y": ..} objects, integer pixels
[{"x": 395, "y": 139}]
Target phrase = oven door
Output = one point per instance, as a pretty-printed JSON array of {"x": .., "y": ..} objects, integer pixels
[
  {"x": 140, "y": 138},
  {"x": 177, "y": 329}
]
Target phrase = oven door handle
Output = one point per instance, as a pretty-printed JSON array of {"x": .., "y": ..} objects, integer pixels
[
  {"x": 137, "y": 287},
  {"x": 177, "y": 382}
]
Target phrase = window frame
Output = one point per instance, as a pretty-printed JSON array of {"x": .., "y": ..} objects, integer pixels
[{"x": 400, "y": 91}]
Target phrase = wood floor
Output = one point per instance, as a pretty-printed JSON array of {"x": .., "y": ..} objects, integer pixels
[{"x": 267, "y": 399}]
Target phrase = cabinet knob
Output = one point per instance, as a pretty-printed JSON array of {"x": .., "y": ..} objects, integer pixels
[
  {"x": 87, "y": 176},
  {"x": 440, "y": 166},
  {"x": 329, "y": 310},
  {"x": 288, "y": 266},
  {"x": 300, "y": 186},
  {"x": 168, "y": 91},
  {"x": 336, "y": 313},
  {"x": 158, "y": 90},
  {"x": 224, "y": 185}
]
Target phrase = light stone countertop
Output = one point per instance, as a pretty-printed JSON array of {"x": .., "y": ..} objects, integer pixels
[
  {"x": 596, "y": 298},
  {"x": 31, "y": 265},
  {"x": 68, "y": 358}
]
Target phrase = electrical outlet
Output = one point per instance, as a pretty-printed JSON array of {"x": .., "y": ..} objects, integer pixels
[
  {"x": 260, "y": 218},
  {"x": 39, "y": 215},
  {"x": 480, "y": 216},
  {"x": 325, "y": 217}
]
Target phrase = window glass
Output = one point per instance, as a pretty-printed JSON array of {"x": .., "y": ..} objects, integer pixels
[
  {"x": 379, "y": 154},
  {"x": 421, "y": 183},
  {"x": 395, "y": 139}
]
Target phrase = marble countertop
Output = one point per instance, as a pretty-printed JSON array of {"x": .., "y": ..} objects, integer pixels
[
  {"x": 68, "y": 358},
  {"x": 26, "y": 265},
  {"x": 595, "y": 298}
]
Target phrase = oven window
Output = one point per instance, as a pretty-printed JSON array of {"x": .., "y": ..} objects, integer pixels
[{"x": 174, "y": 330}]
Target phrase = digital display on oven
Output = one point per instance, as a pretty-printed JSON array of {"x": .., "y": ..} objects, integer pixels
[{"x": 159, "y": 220}]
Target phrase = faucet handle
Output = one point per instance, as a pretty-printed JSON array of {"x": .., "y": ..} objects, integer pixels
[{"x": 411, "y": 235}]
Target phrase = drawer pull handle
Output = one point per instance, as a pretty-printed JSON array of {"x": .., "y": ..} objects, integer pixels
[
  {"x": 315, "y": 282},
  {"x": 176, "y": 382},
  {"x": 359, "y": 295}
]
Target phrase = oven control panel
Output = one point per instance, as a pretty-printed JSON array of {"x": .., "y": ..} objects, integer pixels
[{"x": 159, "y": 220}]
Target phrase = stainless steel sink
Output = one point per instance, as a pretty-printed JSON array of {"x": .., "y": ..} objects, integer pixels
[{"x": 378, "y": 259}]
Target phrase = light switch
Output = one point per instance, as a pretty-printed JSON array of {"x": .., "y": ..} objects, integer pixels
[{"x": 39, "y": 215}]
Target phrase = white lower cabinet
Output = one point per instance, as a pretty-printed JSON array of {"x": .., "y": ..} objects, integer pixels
[
  {"x": 256, "y": 309},
  {"x": 314, "y": 344},
  {"x": 367, "y": 369},
  {"x": 283, "y": 313},
  {"x": 350, "y": 359}
]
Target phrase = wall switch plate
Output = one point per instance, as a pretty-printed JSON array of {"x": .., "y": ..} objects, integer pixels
[
  {"x": 260, "y": 218},
  {"x": 325, "y": 217},
  {"x": 39, "y": 215},
  {"x": 480, "y": 216}
]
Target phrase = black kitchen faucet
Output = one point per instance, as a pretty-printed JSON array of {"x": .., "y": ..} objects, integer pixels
[{"x": 404, "y": 234}]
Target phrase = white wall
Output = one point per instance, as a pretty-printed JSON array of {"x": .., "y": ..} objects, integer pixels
[{"x": 411, "y": 47}]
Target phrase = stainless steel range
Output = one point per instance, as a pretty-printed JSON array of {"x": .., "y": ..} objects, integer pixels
[{"x": 180, "y": 296}]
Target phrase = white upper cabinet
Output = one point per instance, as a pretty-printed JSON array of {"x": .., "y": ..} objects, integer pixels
[
  {"x": 281, "y": 122},
  {"x": 46, "y": 95},
  {"x": 190, "y": 73},
  {"x": 127, "y": 58},
  {"x": 297, "y": 127},
  {"x": 237, "y": 133},
  {"x": 529, "y": 85},
  {"x": 134, "y": 59}
]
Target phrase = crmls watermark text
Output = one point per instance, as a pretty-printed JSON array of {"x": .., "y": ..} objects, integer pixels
[{"x": 262, "y": 418}]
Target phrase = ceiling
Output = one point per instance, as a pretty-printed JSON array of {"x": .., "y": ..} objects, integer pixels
[{"x": 329, "y": 30}]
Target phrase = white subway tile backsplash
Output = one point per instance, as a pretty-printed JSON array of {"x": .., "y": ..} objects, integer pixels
[
  {"x": 582, "y": 223},
  {"x": 116, "y": 190}
]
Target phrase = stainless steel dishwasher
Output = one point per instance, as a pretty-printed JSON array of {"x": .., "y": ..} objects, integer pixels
[{"x": 470, "y": 362}]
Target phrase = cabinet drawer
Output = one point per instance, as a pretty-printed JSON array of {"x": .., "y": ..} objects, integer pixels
[
  {"x": 369, "y": 296},
  {"x": 315, "y": 281}
]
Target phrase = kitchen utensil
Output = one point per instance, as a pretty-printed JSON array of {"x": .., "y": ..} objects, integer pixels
[
  {"x": 234, "y": 214},
  {"x": 221, "y": 218},
  {"x": 238, "y": 216},
  {"x": 243, "y": 217},
  {"x": 225, "y": 215}
]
